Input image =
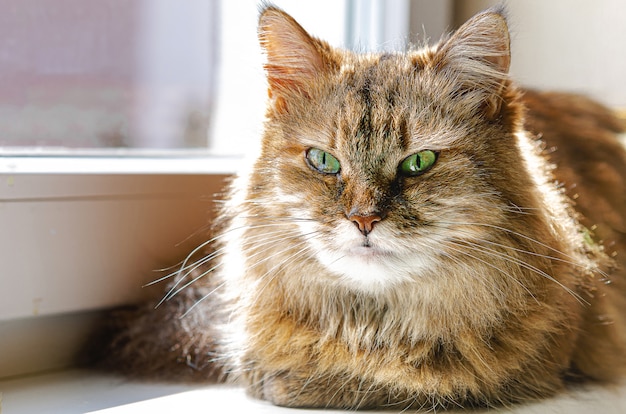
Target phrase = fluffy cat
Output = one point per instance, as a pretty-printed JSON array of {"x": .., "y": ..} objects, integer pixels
[{"x": 416, "y": 231}]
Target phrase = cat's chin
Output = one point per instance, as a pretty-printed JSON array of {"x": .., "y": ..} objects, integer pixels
[
  {"x": 370, "y": 269},
  {"x": 368, "y": 253}
]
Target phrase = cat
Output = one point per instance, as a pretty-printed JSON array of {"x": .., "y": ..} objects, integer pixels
[{"x": 416, "y": 232}]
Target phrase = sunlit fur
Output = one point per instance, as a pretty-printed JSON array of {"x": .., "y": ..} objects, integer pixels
[{"x": 479, "y": 286}]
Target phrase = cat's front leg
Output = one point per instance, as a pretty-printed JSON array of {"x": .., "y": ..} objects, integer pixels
[{"x": 289, "y": 389}]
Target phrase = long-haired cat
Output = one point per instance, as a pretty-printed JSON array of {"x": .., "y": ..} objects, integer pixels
[{"x": 416, "y": 231}]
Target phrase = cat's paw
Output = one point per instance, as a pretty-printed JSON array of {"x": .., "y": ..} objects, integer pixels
[
  {"x": 288, "y": 389},
  {"x": 282, "y": 389}
]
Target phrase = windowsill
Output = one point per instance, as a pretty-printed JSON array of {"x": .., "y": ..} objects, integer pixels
[
  {"x": 117, "y": 162},
  {"x": 77, "y": 391}
]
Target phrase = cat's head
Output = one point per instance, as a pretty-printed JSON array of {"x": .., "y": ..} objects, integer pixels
[{"x": 387, "y": 163}]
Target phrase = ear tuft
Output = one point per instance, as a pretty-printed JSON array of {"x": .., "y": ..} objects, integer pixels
[
  {"x": 479, "y": 54},
  {"x": 485, "y": 39},
  {"x": 293, "y": 58}
]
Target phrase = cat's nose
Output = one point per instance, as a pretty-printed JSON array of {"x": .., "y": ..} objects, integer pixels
[{"x": 365, "y": 223}]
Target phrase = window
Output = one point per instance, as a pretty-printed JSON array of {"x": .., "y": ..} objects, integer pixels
[{"x": 107, "y": 74}]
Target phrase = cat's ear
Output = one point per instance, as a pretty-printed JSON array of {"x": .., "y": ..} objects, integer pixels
[
  {"x": 479, "y": 54},
  {"x": 294, "y": 59}
]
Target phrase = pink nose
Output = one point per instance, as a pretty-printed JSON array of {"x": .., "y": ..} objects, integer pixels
[{"x": 365, "y": 223}]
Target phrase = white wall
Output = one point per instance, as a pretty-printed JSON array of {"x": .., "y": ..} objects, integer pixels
[{"x": 574, "y": 45}]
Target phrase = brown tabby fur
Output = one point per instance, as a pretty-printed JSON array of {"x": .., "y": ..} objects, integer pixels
[{"x": 481, "y": 284}]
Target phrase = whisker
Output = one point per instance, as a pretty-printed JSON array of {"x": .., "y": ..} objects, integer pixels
[
  {"x": 513, "y": 208},
  {"x": 493, "y": 266},
  {"x": 187, "y": 271},
  {"x": 184, "y": 266},
  {"x": 279, "y": 252},
  {"x": 531, "y": 253},
  {"x": 175, "y": 289},
  {"x": 173, "y": 292},
  {"x": 223, "y": 283},
  {"x": 525, "y": 265},
  {"x": 279, "y": 219},
  {"x": 204, "y": 228},
  {"x": 202, "y": 299},
  {"x": 515, "y": 233},
  {"x": 165, "y": 269},
  {"x": 287, "y": 261}
]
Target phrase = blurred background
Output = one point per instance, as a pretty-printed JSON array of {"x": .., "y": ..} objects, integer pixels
[{"x": 186, "y": 75}]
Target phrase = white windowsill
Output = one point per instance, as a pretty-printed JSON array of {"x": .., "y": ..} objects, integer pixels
[
  {"x": 76, "y": 391},
  {"x": 118, "y": 162}
]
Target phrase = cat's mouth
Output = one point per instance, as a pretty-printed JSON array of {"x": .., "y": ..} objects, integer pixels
[{"x": 366, "y": 249}]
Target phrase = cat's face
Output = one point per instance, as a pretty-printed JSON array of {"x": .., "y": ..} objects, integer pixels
[{"x": 389, "y": 165}]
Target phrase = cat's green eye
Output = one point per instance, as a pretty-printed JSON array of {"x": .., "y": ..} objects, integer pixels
[
  {"x": 418, "y": 163},
  {"x": 322, "y": 161}
]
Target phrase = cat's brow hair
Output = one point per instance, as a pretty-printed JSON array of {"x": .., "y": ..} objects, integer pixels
[
  {"x": 436, "y": 140},
  {"x": 378, "y": 89}
]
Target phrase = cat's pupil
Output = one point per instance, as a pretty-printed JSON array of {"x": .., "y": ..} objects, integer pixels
[{"x": 418, "y": 163}]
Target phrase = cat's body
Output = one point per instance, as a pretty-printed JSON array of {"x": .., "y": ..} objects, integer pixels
[{"x": 403, "y": 241}]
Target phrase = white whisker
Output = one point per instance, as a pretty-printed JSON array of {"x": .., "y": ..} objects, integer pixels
[
  {"x": 515, "y": 233},
  {"x": 192, "y": 307},
  {"x": 531, "y": 253},
  {"x": 176, "y": 289},
  {"x": 186, "y": 268},
  {"x": 523, "y": 264},
  {"x": 489, "y": 264},
  {"x": 284, "y": 262}
]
